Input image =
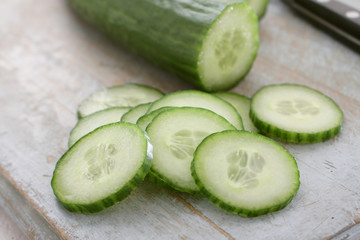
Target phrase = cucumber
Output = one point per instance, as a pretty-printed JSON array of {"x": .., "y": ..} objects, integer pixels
[
  {"x": 144, "y": 121},
  {"x": 295, "y": 113},
  {"x": 259, "y": 6},
  {"x": 135, "y": 113},
  {"x": 126, "y": 95},
  {"x": 102, "y": 168},
  {"x": 175, "y": 134},
  {"x": 242, "y": 105},
  {"x": 207, "y": 43},
  {"x": 245, "y": 173},
  {"x": 95, "y": 120},
  {"x": 194, "y": 98}
]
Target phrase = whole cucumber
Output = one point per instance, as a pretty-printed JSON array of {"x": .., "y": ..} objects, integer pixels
[{"x": 207, "y": 43}]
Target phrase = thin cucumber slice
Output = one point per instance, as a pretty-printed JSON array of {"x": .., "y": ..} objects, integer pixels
[
  {"x": 102, "y": 168},
  {"x": 229, "y": 49},
  {"x": 158, "y": 181},
  {"x": 95, "y": 120},
  {"x": 259, "y": 6},
  {"x": 175, "y": 134},
  {"x": 145, "y": 120},
  {"x": 242, "y": 105},
  {"x": 194, "y": 98},
  {"x": 245, "y": 173},
  {"x": 135, "y": 113},
  {"x": 295, "y": 113},
  {"x": 127, "y": 95}
]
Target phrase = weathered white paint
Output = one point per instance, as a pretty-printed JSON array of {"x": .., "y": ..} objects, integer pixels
[{"x": 50, "y": 60}]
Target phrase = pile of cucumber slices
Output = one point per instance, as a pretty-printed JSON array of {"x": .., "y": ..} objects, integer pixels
[{"x": 193, "y": 142}]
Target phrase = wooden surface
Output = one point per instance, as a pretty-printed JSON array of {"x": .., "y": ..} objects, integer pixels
[{"x": 50, "y": 60}]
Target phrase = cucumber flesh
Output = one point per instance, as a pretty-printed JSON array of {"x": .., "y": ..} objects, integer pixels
[
  {"x": 295, "y": 113},
  {"x": 102, "y": 168},
  {"x": 245, "y": 173},
  {"x": 126, "y": 95},
  {"x": 229, "y": 49},
  {"x": 175, "y": 134},
  {"x": 194, "y": 98},
  {"x": 135, "y": 113},
  {"x": 242, "y": 105},
  {"x": 95, "y": 120}
]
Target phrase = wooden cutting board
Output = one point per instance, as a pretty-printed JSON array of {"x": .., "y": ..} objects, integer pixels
[{"x": 50, "y": 60}]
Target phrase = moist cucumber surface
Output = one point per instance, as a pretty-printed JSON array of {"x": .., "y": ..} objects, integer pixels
[
  {"x": 208, "y": 43},
  {"x": 245, "y": 173},
  {"x": 295, "y": 113},
  {"x": 95, "y": 120},
  {"x": 102, "y": 168},
  {"x": 175, "y": 135},
  {"x": 194, "y": 98},
  {"x": 242, "y": 105},
  {"x": 126, "y": 95},
  {"x": 135, "y": 113}
]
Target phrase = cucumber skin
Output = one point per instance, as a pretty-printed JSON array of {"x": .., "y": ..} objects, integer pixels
[
  {"x": 239, "y": 211},
  {"x": 111, "y": 200},
  {"x": 130, "y": 23},
  {"x": 155, "y": 179},
  {"x": 294, "y": 137}
]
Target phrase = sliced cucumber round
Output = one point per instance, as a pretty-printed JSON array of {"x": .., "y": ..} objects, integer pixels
[
  {"x": 135, "y": 113},
  {"x": 245, "y": 173},
  {"x": 127, "y": 95},
  {"x": 102, "y": 168},
  {"x": 194, "y": 98},
  {"x": 175, "y": 135},
  {"x": 295, "y": 113},
  {"x": 242, "y": 105},
  {"x": 144, "y": 121},
  {"x": 95, "y": 120}
]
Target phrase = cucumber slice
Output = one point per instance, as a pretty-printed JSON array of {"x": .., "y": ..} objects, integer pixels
[
  {"x": 193, "y": 98},
  {"x": 102, "y": 168},
  {"x": 95, "y": 120},
  {"x": 127, "y": 95},
  {"x": 145, "y": 120},
  {"x": 295, "y": 113},
  {"x": 175, "y": 134},
  {"x": 207, "y": 43},
  {"x": 242, "y": 105},
  {"x": 245, "y": 173},
  {"x": 135, "y": 113}
]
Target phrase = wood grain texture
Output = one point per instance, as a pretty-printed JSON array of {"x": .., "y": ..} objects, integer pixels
[{"x": 50, "y": 60}]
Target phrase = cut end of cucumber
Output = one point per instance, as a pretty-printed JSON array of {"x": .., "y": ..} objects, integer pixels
[
  {"x": 259, "y": 6},
  {"x": 229, "y": 48}
]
